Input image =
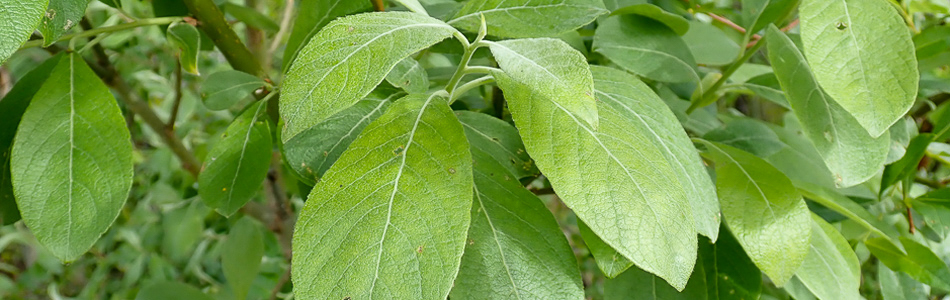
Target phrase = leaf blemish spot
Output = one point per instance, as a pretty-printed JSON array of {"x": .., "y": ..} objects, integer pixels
[
  {"x": 451, "y": 170},
  {"x": 841, "y": 26},
  {"x": 398, "y": 150},
  {"x": 420, "y": 249}
]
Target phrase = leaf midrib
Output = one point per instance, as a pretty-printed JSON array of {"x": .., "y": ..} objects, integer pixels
[
  {"x": 247, "y": 138},
  {"x": 501, "y": 251}
]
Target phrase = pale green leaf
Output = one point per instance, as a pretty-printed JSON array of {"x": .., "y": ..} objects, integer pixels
[
  {"x": 497, "y": 140},
  {"x": 709, "y": 45},
  {"x": 646, "y": 47},
  {"x": 554, "y": 69},
  {"x": 186, "y": 37},
  {"x": 862, "y": 55},
  {"x": 414, "y": 6},
  {"x": 60, "y": 17},
  {"x": 515, "y": 249},
  {"x": 675, "y": 22},
  {"x": 19, "y": 18},
  {"x": 847, "y": 149},
  {"x": 616, "y": 4},
  {"x": 831, "y": 199},
  {"x": 763, "y": 209},
  {"x": 831, "y": 270},
  {"x": 311, "y": 16},
  {"x": 636, "y": 102},
  {"x": 223, "y": 89},
  {"x": 164, "y": 290},
  {"x": 347, "y": 59},
  {"x": 237, "y": 165},
  {"x": 312, "y": 152},
  {"x": 389, "y": 219},
  {"x": 799, "y": 160},
  {"x": 528, "y": 18},
  {"x": 608, "y": 260},
  {"x": 614, "y": 178},
  {"x": 72, "y": 160},
  {"x": 409, "y": 75},
  {"x": 898, "y": 286},
  {"x": 241, "y": 256},
  {"x": 916, "y": 260}
]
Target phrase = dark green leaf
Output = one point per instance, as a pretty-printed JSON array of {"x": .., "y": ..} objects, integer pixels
[
  {"x": 675, "y": 22},
  {"x": 730, "y": 274},
  {"x": 528, "y": 18},
  {"x": 636, "y": 284},
  {"x": 758, "y": 14},
  {"x": 241, "y": 256},
  {"x": 223, "y": 89},
  {"x": 907, "y": 165},
  {"x": 312, "y": 15},
  {"x": 749, "y": 135},
  {"x": 165, "y": 290},
  {"x": 497, "y": 140},
  {"x": 61, "y": 15}
]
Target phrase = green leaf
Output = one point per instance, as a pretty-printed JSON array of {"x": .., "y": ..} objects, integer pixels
[
  {"x": 238, "y": 163},
  {"x": 389, "y": 219},
  {"x": 186, "y": 37},
  {"x": 636, "y": 101},
  {"x": 730, "y": 274},
  {"x": 223, "y": 89},
  {"x": 847, "y": 149},
  {"x": 497, "y": 140},
  {"x": 709, "y": 45},
  {"x": 898, "y": 286},
  {"x": 842, "y": 41},
  {"x": 907, "y": 165},
  {"x": 60, "y": 17},
  {"x": 934, "y": 206},
  {"x": 241, "y": 255},
  {"x": 763, "y": 209},
  {"x": 918, "y": 261},
  {"x": 843, "y": 205},
  {"x": 312, "y": 15},
  {"x": 183, "y": 229},
  {"x": 251, "y": 17},
  {"x": 799, "y": 160},
  {"x": 19, "y": 17},
  {"x": 347, "y": 59},
  {"x": 12, "y": 106},
  {"x": 748, "y": 135},
  {"x": 636, "y": 284},
  {"x": 514, "y": 242},
  {"x": 646, "y": 47},
  {"x": 527, "y": 18},
  {"x": 554, "y": 69},
  {"x": 831, "y": 270},
  {"x": 758, "y": 14},
  {"x": 410, "y": 76},
  {"x": 621, "y": 175},
  {"x": 71, "y": 184},
  {"x": 608, "y": 260},
  {"x": 164, "y": 290},
  {"x": 312, "y": 152},
  {"x": 675, "y": 22},
  {"x": 414, "y": 6}
]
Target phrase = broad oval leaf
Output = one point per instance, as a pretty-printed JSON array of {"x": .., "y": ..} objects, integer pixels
[
  {"x": 843, "y": 43},
  {"x": 852, "y": 155},
  {"x": 762, "y": 208},
  {"x": 238, "y": 163},
  {"x": 637, "y": 102},
  {"x": 311, "y": 16},
  {"x": 514, "y": 242},
  {"x": 312, "y": 152},
  {"x": 497, "y": 140},
  {"x": 72, "y": 160},
  {"x": 185, "y": 37},
  {"x": 163, "y": 290},
  {"x": 410, "y": 76},
  {"x": 614, "y": 178},
  {"x": 831, "y": 270},
  {"x": 915, "y": 260},
  {"x": 19, "y": 18},
  {"x": 554, "y": 69},
  {"x": 390, "y": 217},
  {"x": 675, "y": 22},
  {"x": 12, "y": 106},
  {"x": 645, "y": 47},
  {"x": 60, "y": 17},
  {"x": 241, "y": 256},
  {"x": 528, "y": 18},
  {"x": 223, "y": 89},
  {"x": 347, "y": 59}
]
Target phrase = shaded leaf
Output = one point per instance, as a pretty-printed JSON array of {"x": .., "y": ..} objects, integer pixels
[
  {"x": 414, "y": 6},
  {"x": 758, "y": 14},
  {"x": 251, "y": 17},
  {"x": 907, "y": 165},
  {"x": 675, "y": 22},
  {"x": 898, "y": 286},
  {"x": 60, "y": 17},
  {"x": 918, "y": 261},
  {"x": 646, "y": 47},
  {"x": 223, "y": 89},
  {"x": 636, "y": 284},
  {"x": 749, "y": 135},
  {"x": 527, "y": 18},
  {"x": 730, "y": 274},
  {"x": 164, "y": 290},
  {"x": 241, "y": 255},
  {"x": 497, "y": 140}
]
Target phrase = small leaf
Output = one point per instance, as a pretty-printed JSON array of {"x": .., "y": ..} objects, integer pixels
[
  {"x": 343, "y": 63},
  {"x": 554, "y": 69},
  {"x": 251, "y": 17},
  {"x": 907, "y": 165},
  {"x": 19, "y": 18},
  {"x": 847, "y": 149},
  {"x": 409, "y": 75},
  {"x": 71, "y": 184},
  {"x": 527, "y": 18},
  {"x": 312, "y": 15},
  {"x": 763, "y": 209},
  {"x": 12, "y": 106},
  {"x": 414, "y": 6},
  {"x": 842, "y": 41},
  {"x": 918, "y": 261},
  {"x": 60, "y": 17},
  {"x": 238, "y": 163},
  {"x": 709, "y": 45},
  {"x": 831, "y": 270},
  {"x": 223, "y": 89},
  {"x": 645, "y": 47},
  {"x": 675, "y": 22},
  {"x": 164, "y": 290},
  {"x": 608, "y": 260},
  {"x": 389, "y": 219},
  {"x": 497, "y": 140},
  {"x": 312, "y": 152},
  {"x": 186, "y": 37},
  {"x": 241, "y": 256}
]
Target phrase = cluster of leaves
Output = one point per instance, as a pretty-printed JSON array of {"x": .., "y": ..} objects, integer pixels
[{"x": 543, "y": 149}]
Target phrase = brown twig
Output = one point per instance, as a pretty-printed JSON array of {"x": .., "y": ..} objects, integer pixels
[
  {"x": 910, "y": 220},
  {"x": 378, "y": 5},
  {"x": 280, "y": 284},
  {"x": 178, "y": 95}
]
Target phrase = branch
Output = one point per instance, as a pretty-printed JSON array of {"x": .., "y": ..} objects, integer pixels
[
  {"x": 211, "y": 21},
  {"x": 178, "y": 94},
  {"x": 378, "y": 5}
]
